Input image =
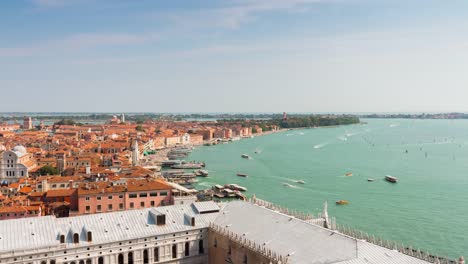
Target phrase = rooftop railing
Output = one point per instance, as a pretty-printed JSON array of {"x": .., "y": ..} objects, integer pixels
[
  {"x": 320, "y": 219},
  {"x": 273, "y": 257}
]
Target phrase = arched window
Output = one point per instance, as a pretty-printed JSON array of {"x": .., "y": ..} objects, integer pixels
[
  {"x": 187, "y": 249},
  {"x": 145, "y": 257},
  {"x": 73, "y": 262},
  {"x": 81, "y": 261},
  {"x": 88, "y": 261},
  {"x": 90, "y": 236},
  {"x": 201, "y": 249},
  {"x": 76, "y": 238},
  {"x": 120, "y": 259},
  {"x": 52, "y": 261},
  {"x": 100, "y": 260},
  {"x": 130, "y": 257},
  {"x": 174, "y": 251},
  {"x": 62, "y": 239},
  {"x": 245, "y": 259},
  {"x": 156, "y": 254},
  {"x": 229, "y": 250},
  {"x": 215, "y": 243},
  {"x": 43, "y": 262}
]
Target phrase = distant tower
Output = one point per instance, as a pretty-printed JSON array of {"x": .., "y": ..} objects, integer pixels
[
  {"x": 123, "y": 118},
  {"x": 27, "y": 123},
  {"x": 285, "y": 116},
  {"x": 61, "y": 162},
  {"x": 135, "y": 153}
]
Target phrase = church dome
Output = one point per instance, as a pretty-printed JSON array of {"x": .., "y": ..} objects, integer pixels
[{"x": 20, "y": 149}]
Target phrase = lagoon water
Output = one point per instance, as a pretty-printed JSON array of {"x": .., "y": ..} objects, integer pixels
[{"x": 427, "y": 208}]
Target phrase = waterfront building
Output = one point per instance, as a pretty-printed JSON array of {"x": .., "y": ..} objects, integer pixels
[
  {"x": 185, "y": 139},
  {"x": 202, "y": 232},
  {"x": 15, "y": 164},
  {"x": 173, "y": 140},
  {"x": 101, "y": 197}
]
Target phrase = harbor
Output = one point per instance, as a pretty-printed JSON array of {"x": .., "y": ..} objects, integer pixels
[{"x": 324, "y": 162}]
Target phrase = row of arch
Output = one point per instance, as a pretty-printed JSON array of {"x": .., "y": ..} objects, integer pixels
[
  {"x": 129, "y": 256},
  {"x": 88, "y": 261}
]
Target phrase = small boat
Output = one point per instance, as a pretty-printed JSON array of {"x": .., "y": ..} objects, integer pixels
[
  {"x": 202, "y": 173},
  {"x": 349, "y": 174},
  {"x": 370, "y": 180},
  {"x": 235, "y": 187},
  {"x": 341, "y": 202},
  {"x": 391, "y": 179},
  {"x": 300, "y": 181},
  {"x": 242, "y": 174},
  {"x": 245, "y": 156}
]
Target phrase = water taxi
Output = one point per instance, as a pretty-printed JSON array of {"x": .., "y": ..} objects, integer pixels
[
  {"x": 391, "y": 179},
  {"x": 202, "y": 173},
  {"x": 245, "y": 156},
  {"x": 370, "y": 180},
  {"x": 235, "y": 187},
  {"x": 300, "y": 181},
  {"x": 349, "y": 174},
  {"x": 242, "y": 174},
  {"x": 342, "y": 202}
]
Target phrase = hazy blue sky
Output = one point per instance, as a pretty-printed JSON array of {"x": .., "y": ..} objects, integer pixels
[{"x": 234, "y": 55}]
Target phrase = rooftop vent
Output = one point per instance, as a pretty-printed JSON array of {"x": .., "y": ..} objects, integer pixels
[
  {"x": 157, "y": 217},
  {"x": 190, "y": 219}
]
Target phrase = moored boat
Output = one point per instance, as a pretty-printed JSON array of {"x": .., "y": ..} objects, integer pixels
[
  {"x": 342, "y": 202},
  {"x": 245, "y": 156},
  {"x": 235, "y": 187},
  {"x": 391, "y": 179},
  {"x": 241, "y": 174}
]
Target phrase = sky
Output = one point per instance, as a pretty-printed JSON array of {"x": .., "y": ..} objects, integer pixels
[{"x": 234, "y": 56}]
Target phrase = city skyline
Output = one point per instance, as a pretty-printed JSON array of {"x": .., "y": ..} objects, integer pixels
[{"x": 234, "y": 56}]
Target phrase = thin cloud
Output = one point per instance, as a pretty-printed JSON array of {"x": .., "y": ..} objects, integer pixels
[
  {"x": 54, "y": 3},
  {"x": 236, "y": 13},
  {"x": 80, "y": 41}
]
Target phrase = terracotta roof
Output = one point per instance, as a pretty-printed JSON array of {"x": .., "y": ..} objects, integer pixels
[
  {"x": 60, "y": 192},
  {"x": 25, "y": 189},
  {"x": 146, "y": 185},
  {"x": 100, "y": 187},
  {"x": 36, "y": 194},
  {"x": 18, "y": 209}
]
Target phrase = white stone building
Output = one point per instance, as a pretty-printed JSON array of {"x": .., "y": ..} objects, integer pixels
[
  {"x": 189, "y": 233},
  {"x": 15, "y": 164}
]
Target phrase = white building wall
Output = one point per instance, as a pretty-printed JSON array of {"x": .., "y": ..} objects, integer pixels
[
  {"x": 10, "y": 168},
  {"x": 109, "y": 252}
]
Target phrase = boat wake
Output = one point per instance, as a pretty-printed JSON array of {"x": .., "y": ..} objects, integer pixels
[
  {"x": 207, "y": 184},
  {"x": 285, "y": 184},
  {"x": 394, "y": 125},
  {"x": 319, "y": 146},
  {"x": 342, "y": 138}
]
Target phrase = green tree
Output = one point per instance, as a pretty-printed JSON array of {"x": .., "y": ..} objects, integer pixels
[
  {"x": 139, "y": 128},
  {"x": 48, "y": 170}
]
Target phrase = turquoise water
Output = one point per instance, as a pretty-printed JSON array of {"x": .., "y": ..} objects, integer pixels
[{"x": 427, "y": 208}]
